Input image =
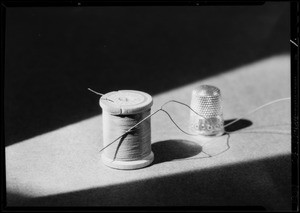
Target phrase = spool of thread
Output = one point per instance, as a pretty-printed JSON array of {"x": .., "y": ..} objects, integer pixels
[
  {"x": 121, "y": 110},
  {"x": 207, "y": 102}
]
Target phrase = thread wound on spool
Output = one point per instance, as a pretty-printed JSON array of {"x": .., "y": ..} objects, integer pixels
[
  {"x": 207, "y": 102},
  {"x": 126, "y": 109}
]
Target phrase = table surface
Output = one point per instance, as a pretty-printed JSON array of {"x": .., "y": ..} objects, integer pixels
[{"x": 251, "y": 166}]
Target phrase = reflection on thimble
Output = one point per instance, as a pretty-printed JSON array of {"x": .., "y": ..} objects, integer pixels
[{"x": 206, "y": 101}]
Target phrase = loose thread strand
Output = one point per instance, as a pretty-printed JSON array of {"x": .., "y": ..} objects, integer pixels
[
  {"x": 182, "y": 104},
  {"x": 161, "y": 109},
  {"x": 177, "y": 124},
  {"x": 98, "y": 93},
  {"x": 256, "y": 109}
]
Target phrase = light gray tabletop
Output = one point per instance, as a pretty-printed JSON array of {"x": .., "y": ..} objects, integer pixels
[{"x": 251, "y": 166}]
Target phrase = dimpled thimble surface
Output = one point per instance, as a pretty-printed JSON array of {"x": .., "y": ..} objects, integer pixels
[{"x": 207, "y": 102}]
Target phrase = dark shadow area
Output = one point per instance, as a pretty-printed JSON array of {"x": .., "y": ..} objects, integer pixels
[
  {"x": 174, "y": 149},
  {"x": 240, "y": 124},
  {"x": 265, "y": 182},
  {"x": 52, "y": 55}
]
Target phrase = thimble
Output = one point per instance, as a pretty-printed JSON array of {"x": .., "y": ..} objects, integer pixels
[{"x": 207, "y": 102}]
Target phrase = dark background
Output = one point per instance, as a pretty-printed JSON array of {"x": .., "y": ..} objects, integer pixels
[{"x": 53, "y": 54}]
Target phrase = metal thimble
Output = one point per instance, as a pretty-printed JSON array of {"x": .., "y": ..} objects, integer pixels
[{"x": 207, "y": 102}]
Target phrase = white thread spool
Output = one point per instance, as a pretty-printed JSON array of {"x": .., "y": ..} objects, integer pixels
[
  {"x": 207, "y": 102},
  {"x": 121, "y": 110}
]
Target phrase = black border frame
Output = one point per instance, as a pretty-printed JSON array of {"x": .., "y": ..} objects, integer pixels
[{"x": 294, "y": 40}]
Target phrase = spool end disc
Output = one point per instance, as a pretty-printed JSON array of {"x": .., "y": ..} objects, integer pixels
[
  {"x": 124, "y": 102},
  {"x": 126, "y": 165}
]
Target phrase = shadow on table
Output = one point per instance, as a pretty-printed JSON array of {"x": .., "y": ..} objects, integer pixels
[
  {"x": 253, "y": 183},
  {"x": 170, "y": 150},
  {"x": 174, "y": 149},
  {"x": 52, "y": 55},
  {"x": 240, "y": 124}
]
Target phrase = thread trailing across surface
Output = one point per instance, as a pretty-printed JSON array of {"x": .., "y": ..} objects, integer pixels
[
  {"x": 185, "y": 132},
  {"x": 137, "y": 128}
]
